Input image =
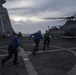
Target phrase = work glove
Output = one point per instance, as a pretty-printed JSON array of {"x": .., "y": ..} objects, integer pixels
[{"x": 21, "y": 46}]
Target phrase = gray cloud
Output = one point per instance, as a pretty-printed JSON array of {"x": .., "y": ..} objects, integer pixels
[{"x": 41, "y": 8}]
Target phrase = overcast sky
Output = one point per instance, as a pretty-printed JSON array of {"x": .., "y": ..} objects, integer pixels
[{"x": 26, "y": 15}]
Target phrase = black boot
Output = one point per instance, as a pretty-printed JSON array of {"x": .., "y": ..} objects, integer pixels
[
  {"x": 2, "y": 63},
  {"x": 33, "y": 53},
  {"x": 16, "y": 63}
]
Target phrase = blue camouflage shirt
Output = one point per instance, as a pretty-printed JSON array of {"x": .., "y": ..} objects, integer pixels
[
  {"x": 36, "y": 36},
  {"x": 15, "y": 42}
]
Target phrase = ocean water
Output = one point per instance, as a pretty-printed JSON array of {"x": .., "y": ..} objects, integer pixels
[{"x": 26, "y": 35}]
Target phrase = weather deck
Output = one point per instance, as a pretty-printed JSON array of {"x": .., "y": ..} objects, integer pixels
[{"x": 58, "y": 59}]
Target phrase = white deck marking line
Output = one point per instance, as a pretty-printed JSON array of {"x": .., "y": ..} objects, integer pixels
[
  {"x": 73, "y": 70},
  {"x": 29, "y": 45},
  {"x": 52, "y": 46},
  {"x": 56, "y": 46},
  {"x": 28, "y": 52},
  {"x": 33, "y": 44},
  {"x": 73, "y": 48},
  {"x": 72, "y": 51},
  {"x": 28, "y": 64},
  {"x": 3, "y": 46},
  {"x": 49, "y": 50},
  {"x": 3, "y": 50},
  {"x": 3, "y": 55},
  {"x": 19, "y": 54},
  {"x": 30, "y": 68}
]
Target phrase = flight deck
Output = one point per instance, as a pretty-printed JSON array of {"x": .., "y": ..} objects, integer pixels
[{"x": 57, "y": 59}]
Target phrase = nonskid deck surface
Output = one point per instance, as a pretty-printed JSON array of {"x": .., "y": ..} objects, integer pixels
[{"x": 57, "y": 59}]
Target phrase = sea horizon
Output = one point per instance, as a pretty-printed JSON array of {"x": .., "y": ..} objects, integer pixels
[{"x": 28, "y": 34}]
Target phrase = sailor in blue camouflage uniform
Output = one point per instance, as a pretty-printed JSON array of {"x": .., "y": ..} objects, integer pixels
[
  {"x": 12, "y": 49},
  {"x": 36, "y": 39}
]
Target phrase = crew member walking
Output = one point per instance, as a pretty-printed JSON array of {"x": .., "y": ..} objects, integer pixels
[
  {"x": 12, "y": 49},
  {"x": 46, "y": 39},
  {"x": 36, "y": 39}
]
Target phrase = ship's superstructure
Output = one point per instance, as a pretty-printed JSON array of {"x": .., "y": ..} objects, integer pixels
[
  {"x": 68, "y": 29},
  {"x": 5, "y": 24}
]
